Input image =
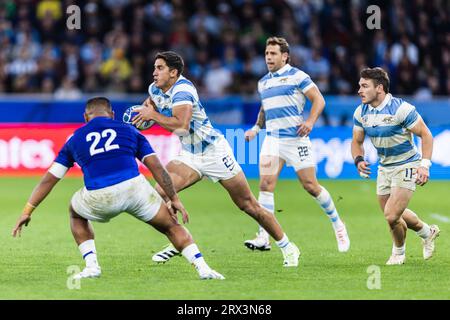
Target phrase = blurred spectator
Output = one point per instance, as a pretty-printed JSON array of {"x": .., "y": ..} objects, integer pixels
[
  {"x": 159, "y": 14},
  {"x": 217, "y": 79},
  {"x": 198, "y": 67},
  {"x": 203, "y": 19},
  {"x": 404, "y": 48},
  {"x": 70, "y": 63},
  {"x": 47, "y": 86},
  {"x": 22, "y": 65},
  {"x": 49, "y": 9},
  {"x": 117, "y": 65},
  {"x": 68, "y": 90},
  {"x": 317, "y": 66}
]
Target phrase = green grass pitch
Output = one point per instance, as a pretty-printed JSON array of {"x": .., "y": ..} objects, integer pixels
[{"x": 35, "y": 265}]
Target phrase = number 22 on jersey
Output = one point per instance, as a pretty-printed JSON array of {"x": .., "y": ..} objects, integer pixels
[{"x": 96, "y": 136}]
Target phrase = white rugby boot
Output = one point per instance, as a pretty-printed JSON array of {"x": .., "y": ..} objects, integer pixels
[
  {"x": 89, "y": 272},
  {"x": 210, "y": 274},
  {"x": 261, "y": 242},
  {"x": 428, "y": 243},
  {"x": 291, "y": 254},
  {"x": 343, "y": 241},
  {"x": 396, "y": 259},
  {"x": 165, "y": 254}
]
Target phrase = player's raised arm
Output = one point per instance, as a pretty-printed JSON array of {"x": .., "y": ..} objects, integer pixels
[
  {"x": 421, "y": 130},
  {"x": 260, "y": 123},
  {"x": 164, "y": 180},
  {"x": 318, "y": 104},
  {"x": 39, "y": 193}
]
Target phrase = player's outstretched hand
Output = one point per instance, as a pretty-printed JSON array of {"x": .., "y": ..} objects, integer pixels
[
  {"x": 304, "y": 129},
  {"x": 175, "y": 206},
  {"x": 24, "y": 219},
  {"x": 423, "y": 175},
  {"x": 364, "y": 169},
  {"x": 250, "y": 135}
]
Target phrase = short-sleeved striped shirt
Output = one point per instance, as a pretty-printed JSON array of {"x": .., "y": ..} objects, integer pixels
[
  {"x": 283, "y": 99},
  {"x": 201, "y": 132},
  {"x": 387, "y": 127}
]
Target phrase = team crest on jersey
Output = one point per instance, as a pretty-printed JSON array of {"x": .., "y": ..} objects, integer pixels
[
  {"x": 388, "y": 120},
  {"x": 365, "y": 119},
  {"x": 283, "y": 80}
]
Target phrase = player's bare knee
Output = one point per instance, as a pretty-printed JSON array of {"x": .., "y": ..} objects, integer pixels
[
  {"x": 267, "y": 185},
  {"x": 391, "y": 218}
]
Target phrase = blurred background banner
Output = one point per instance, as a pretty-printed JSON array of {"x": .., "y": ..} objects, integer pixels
[{"x": 30, "y": 149}]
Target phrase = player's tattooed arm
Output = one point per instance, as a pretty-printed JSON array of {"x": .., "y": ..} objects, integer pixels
[
  {"x": 261, "y": 122},
  {"x": 161, "y": 175},
  {"x": 164, "y": 180},
  {"x": 167, "y": 184}
]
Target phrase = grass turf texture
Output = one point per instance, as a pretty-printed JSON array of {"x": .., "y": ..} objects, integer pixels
[{"x": 35, "y": 265}]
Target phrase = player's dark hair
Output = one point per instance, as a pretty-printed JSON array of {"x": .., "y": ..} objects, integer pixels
[
  {"x": 172, "y": 59},
  {"x": 98, "y": 103},
  {"x": 378, "y": 76},
  {"x": 284, "y": 45}
]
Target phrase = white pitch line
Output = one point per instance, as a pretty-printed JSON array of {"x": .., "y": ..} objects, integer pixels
[{"x": 440, "y": 217}]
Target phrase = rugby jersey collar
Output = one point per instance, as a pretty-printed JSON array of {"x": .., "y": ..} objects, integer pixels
[
  {"x": 383, "y": 104},
  {"x": 168, "y": 93},
  {"x": 280, "y": 71}
]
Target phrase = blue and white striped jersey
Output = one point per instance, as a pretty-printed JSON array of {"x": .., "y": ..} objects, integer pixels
[
  {"x": 201, "y": 132},
  {"x": 387, "y": 127},
  {"x": 283, "y": 99}
]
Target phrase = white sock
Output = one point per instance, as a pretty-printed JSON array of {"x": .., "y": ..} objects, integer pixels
[
  {"x": 284, "y": 242},
  {"x": 266, "y": 199},
  {"x": 424, "y": 232},
  {"x": 398, "y": 250},
  {"x": 87, "y": 250},
  {"x": 193, "y": 255},
  {"x": 326, "y": 203}
]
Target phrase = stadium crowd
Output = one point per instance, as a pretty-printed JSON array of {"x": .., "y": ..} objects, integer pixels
[{"x": 222, "y": 43}]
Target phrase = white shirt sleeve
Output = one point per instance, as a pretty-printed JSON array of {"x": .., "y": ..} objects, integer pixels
[{"x": 58, "y": 170}]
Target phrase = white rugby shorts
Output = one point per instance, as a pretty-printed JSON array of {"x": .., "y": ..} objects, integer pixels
[
  {"x": 217, "y": 162},
  {"x": 135, "y": 196},
  {"x": 401, "y": 176},
  {"x": 297, "y": 152}
]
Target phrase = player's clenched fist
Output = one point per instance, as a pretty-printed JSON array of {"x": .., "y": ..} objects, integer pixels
[{"x": 423, "y": 175}]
